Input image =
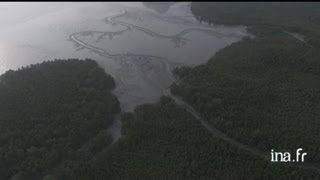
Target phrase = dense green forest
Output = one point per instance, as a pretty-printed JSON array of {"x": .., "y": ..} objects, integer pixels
[
  {"x": 53, "y": 116},
  {"x": 299, "y": 17},
  {"x": 263, "y": 91},
  {"x": 163, "y": 141}
]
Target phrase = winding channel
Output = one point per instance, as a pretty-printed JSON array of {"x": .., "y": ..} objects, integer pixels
[
  {"x": 175, "y": 38},
  {"x": 112, "y": 20}
]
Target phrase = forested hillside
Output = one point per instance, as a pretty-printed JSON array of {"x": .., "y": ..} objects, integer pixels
[
  {"x": 263, "y": 91},
  {"x": 163, "y": 141},
  {"x": 299, "y": 17},
  {"x": 52, "y": 116}
]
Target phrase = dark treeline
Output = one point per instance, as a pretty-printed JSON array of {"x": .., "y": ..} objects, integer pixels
[
  {"x": 53, "y": 115},
  {"x": 299, "y": 17},
  {"x": 163, "y": 141},
  {"x": 263, "y": 91}
]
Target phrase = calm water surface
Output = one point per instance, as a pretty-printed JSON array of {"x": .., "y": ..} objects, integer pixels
[{"x": 138, "y": 45}]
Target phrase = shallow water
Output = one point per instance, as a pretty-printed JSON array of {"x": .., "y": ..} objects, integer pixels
[{"x": 138, "y": 46}]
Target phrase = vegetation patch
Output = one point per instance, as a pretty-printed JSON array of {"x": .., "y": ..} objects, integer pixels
[
  {"x": 52, "y": 116},
  {"x": 263, "y": 91},
  {"x": 164, "y": 141}
]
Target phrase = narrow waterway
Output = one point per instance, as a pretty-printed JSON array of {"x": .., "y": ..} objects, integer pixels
[{"x": 136, "y": 44}]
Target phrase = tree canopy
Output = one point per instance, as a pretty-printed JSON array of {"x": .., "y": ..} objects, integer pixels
[
  {"x": 164, "y": 141},
  {"x": 51, "y": 114},
  {"x": 263, "y": 91}
]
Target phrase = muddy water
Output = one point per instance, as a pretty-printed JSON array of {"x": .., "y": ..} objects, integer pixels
[{"x": 138, "y": 46}]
